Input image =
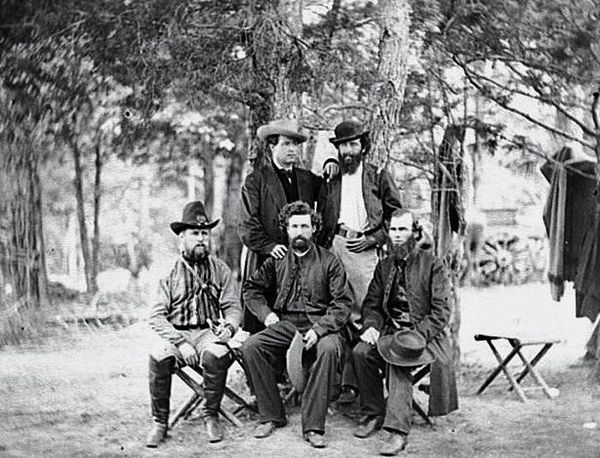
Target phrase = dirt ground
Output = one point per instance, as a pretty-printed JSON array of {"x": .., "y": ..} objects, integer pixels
[{"x": 86, "y": 395}]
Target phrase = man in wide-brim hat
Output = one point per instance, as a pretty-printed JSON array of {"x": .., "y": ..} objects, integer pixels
[
  {"x": 359, "y": 204},
  {"x": 186, "y": 318},
  {"x": 267, "y": 189},
  {"x": 405, "y": 325}
]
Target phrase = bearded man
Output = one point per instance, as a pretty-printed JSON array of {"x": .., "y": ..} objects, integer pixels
[
  {"x": 197, "y": 312},
  {"x": 312, "y": 298},
  {"x": 405, "y": 321},
  {"x": 359, "y": 204}
]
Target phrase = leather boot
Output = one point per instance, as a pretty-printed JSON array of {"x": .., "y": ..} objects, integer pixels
[
  {"x": 214, "y": 372},
  {"x": 159, "y": 377},
  {"x": 214, "y": 431},
  {"x": 156, "y": 435}
]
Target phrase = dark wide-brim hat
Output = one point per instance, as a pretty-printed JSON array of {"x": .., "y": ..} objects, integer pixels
[
  {"x": 287, "y": 127},
  {"x": 347, "y": 131},
  {"x": 406, "y": 347},
  {"x": 194, "y": 217},
  {"x": 295, "y": 368}
]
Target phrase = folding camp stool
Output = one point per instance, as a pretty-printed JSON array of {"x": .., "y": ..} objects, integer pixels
[
  {"x": 528, "y": 366},
  {"x": 197, "y": 397}
]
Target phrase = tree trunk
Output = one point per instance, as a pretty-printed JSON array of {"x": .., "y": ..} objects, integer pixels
[
  {"x": 387, "y": 93},
  {"x": 448, "y": 216},
  {"x": 90, "y": 280},
  {"x": 21, "y": 226},
  {"x": 97, "y": 197},
  {"x": 230, "y": 245}
]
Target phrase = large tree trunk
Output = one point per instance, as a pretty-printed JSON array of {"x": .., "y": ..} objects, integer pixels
[
  {"x": 21, "y": 227},
  {"x": 230, "y": 244},
  {"x": 387, "y": 93},
  {"x": 90, "y": 279}
]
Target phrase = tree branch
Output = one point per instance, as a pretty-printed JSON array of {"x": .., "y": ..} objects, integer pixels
[{"x": 486, "y": 92}]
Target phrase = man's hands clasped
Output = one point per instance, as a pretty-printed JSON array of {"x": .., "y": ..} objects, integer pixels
[{"x": 370, "y": 336}]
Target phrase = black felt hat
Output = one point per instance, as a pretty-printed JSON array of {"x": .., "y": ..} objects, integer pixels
[
  {"x": 194, "y": 217},
  {"x": 347, "y": 131}
]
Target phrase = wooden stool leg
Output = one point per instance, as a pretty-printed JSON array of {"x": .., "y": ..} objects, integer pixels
[
  {"x": 536, "y": 376},
  {"x": 189, "y": 381},
  {"x": 422, "y": 413},
  {"x": 535, "y": 360},
  {"x": 184, "y": 410},
  {"x": 501, "y": 366}
]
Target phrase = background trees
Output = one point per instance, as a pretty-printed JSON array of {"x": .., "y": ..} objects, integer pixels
[{"x": 128, "y": 107}]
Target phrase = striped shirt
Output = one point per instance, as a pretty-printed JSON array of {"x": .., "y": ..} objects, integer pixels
[{"x": 191, "y": 294}]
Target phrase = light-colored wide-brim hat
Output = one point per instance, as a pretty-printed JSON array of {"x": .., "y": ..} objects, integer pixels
[
  {"x": 294, "y": 366},
  {"x": 406, "y": 348},
  {"x": 288, "y": 127}
]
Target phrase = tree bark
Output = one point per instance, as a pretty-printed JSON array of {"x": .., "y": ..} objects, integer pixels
[
  {"x": 387, "y": 93},
  {"x": 448, "y": 216},
  {"x": 230, "y": 244},
  {"x": 90, "y": 280},
  {"x": 97, "y": 198}
]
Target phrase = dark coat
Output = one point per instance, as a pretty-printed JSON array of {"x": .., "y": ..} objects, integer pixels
[
  {"x": 325, "y": 290},
  {"x": 263, "y": 197},
  {"x": 381, "y": 197},
  {"x": 428, "y": 290}
]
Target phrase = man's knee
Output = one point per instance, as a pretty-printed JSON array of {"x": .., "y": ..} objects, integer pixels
[
  {"x": 329, "y": 346},
  {"x": 216, "y": 356},
  {"x": 250, "y": 347}
]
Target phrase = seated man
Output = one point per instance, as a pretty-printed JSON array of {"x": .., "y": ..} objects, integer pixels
[
  {"x": 312, "y": 297},
  {"x": 198, "y": 292},
  {"x": 407, "y": 302}
]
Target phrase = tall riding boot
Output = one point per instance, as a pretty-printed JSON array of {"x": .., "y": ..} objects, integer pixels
[
  {"x": 159, "y": 376},
  {"x": 214, "y": 370}
]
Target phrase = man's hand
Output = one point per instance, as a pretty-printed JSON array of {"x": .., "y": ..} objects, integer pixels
[
  {"x": 271, "y": 319},
  {"x": 279, "y": 251},
  {"x": 189, "y": 354},
  {"x": 310, "y": 339},
  {"x": 223, "y": 333},
  {"x": 331, "y": 170},
  {"x": 370, "y": 336},
  {"x": 362, "y": 243}
]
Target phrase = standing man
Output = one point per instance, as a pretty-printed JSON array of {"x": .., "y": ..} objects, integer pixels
[
  {"x": 265, "y": 192},
  {"x": 198, "y": 311},
  {"x": 359, "y": 205},
  {"x": 312, "y": 298},
  {"x": 405, "y": 321}
]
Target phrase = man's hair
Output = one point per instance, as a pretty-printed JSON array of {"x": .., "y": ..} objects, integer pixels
[
  {"x": 401, "y": 212},
  {"x": 298, "y": 208},
  {"x": 272, "y": 140}
]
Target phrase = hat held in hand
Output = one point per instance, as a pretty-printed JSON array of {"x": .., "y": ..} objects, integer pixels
[
  {"x": 294, "y": 366},
  {"x": 406, "y": 347},
  {"x": 194, "y": 217}
]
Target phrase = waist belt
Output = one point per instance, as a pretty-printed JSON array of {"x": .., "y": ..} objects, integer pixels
[
  {"x": 190, "y": 327},
  {"x": 344, "y": 231}
]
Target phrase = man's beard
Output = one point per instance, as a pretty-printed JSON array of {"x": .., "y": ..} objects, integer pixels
[
  {"x": 197, "y": 253},
  {"x": 300, "y": 243},
  {"x": 402, "y": 250},
  {"x": 349, "y": 163}
]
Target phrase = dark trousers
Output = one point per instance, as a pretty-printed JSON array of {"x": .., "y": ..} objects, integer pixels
[
  {"x": 264, "y": 356},
  {"x": 370, "y": 370},
  {"x": 214, "y": 372}
]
